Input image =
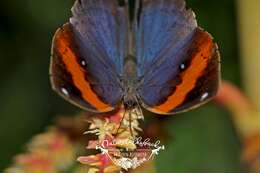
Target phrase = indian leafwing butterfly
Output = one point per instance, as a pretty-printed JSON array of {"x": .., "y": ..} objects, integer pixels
[{"x": 160, "y": 60}]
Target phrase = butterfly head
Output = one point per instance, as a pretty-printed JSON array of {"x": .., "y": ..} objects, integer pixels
[{"x": 129, "y": 98}]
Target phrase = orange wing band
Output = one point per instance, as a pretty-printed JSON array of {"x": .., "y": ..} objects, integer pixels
[
  {"x": 64, "y": 47},
  {"x": 190, "y": 76}
]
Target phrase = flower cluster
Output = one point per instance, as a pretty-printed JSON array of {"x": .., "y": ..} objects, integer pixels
[
  {"x": 116, "y": 133},
  {"x": 56, "y": 150},
  {"x": 53, "y": 151},
  {"x": 48, "y": 152}
]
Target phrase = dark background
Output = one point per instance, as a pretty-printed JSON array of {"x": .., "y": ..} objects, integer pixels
[{"x": 204, "y": 140}]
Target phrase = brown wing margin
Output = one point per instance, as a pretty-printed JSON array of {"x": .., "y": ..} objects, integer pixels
[
  {"x": 199, "y": 81},
  {"x": 68, "y": 75}
]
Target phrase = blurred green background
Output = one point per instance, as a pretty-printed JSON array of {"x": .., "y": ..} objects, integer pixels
[{"x": 204, "y": 140}]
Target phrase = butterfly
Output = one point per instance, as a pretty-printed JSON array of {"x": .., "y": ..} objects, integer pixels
[{"x": 159, "y": 59}]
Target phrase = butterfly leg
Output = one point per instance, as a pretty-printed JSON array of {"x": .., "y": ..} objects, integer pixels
[{"x": 140, "y": 111}]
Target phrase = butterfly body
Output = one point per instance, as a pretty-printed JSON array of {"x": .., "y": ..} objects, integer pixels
[
  {"x": 163, "y": 61},
  {"x": 129, "y": 83}
]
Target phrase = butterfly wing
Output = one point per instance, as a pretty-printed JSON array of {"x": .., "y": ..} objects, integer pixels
[
  {"x": 178, "y": 63},
  {"x": 87, "y": 55}
]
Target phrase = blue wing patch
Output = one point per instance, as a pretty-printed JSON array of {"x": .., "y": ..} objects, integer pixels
[
  {"x": 102, "y": 26},
  {"x": 163, "y": 27}
]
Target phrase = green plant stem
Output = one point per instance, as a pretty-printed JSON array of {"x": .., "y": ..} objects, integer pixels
[{"x": 249, "y": 31}]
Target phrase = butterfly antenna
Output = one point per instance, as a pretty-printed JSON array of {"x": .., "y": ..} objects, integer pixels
[
  {"x": 121, "y": 121},
  {"x": 130, "y": 124}
]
